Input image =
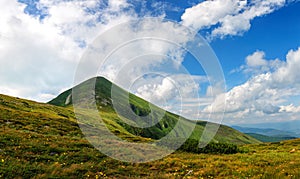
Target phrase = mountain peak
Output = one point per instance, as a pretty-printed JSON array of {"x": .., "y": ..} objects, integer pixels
[{"x": 133, "y": 111}]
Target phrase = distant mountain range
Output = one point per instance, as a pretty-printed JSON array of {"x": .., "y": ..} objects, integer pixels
[
  {"x": 288, "y": 126},
  {"x": 267, "y": 134},
  {"x": 265, "y": 138}
]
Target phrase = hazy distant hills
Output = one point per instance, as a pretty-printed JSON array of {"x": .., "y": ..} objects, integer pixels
[
  {"x": 265, "y": 138},
  {"x": 265, "y": 131},
  {"x": 267, "y": 134},
  {"x": 293, "y": 126}
]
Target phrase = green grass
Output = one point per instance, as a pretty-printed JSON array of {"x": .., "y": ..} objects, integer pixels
[
  {"x": 44, "y": 141},
  {"x": 30, "y": 155}
]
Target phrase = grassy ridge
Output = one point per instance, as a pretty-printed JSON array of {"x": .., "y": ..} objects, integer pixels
[
  {"x": 103, "y": 97},
  {"x": 43, "y": 141}
]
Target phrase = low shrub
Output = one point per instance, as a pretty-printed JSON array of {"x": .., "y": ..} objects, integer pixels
[{"x": 192, "y": 145}]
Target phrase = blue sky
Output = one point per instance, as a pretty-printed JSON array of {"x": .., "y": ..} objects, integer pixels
[
  {"x": 257, "y": 44},
  {"x": 275, "y": 34}
]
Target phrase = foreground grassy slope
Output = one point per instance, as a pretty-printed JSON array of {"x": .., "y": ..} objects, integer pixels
[
  {"x": 43, "y": 141},
  {"x": 103, "y": 89}
]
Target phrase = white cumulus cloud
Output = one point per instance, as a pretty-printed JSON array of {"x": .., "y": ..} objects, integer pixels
[
  {"x": 266, "y": 94},
  {"x": 209, "y": 13},
  {"x": 39, "y": 56},
  {"x": 228, "y": 17}
]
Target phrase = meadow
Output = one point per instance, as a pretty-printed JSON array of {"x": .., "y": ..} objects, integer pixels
[
  {"x": 39, "y": 140},
  {"x": 44, "y": 141},
  {"x": 27, "y": 154}
]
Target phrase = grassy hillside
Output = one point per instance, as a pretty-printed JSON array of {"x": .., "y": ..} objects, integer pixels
[
  {"x": 43, "y": 141},
  {"x": 141, "y": 107}
]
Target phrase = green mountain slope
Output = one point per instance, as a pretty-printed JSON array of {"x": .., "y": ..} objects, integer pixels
[{"x": 141, "y": 108}]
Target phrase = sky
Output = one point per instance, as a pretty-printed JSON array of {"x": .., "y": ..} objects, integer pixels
[{"x": 257, "y": 44}]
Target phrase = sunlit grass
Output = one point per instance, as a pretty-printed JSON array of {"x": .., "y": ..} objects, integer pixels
[{"x": 44, "y": 141}]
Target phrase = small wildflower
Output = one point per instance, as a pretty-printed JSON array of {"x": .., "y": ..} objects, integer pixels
[{"x": 2, "y": 160}]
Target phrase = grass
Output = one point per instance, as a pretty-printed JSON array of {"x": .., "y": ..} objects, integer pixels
[
  {"x": 44, "y": 141},
  {"x": 33, "y": 155}
]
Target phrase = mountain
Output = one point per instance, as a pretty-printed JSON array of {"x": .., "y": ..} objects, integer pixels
[
  {"x": 288, "y": 126},
  {"x": 141, "y": 108},
  {"x": 39, "y": 140},
  {"x": 265, "y": 138},
  {"x": 276, "y": 134},
  {"x": 266, "y": 131}
]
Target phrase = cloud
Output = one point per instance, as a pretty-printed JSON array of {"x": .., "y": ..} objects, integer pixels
[
  {"x": 27, "y": 52},
  {"x": 208, "y": 13},
  {"x": 176, "y": 93},
  {"x": 147, "y": 46},
  {"x": 169, "y": 87},
  {"x": 265, "y": 94},
  {"x": 228, "y": 17},
  {"x": 236, "y": 24},
  {"x": 290, "y": 109},
  {"x": 256, "y": 63},
  {"x": 39, "y": 55},
  {"x": 163, "y": 91},
  {"x": 288, "y": 74},
  {"x": 256, "y": 59}
]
